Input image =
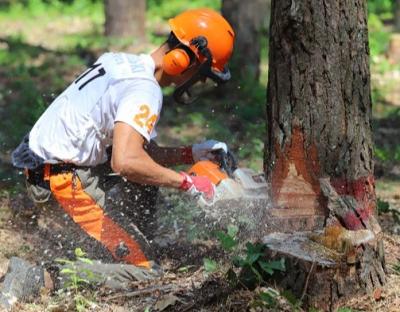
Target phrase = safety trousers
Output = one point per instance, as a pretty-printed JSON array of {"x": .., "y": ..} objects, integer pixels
[{"x": 100, "y": 204}]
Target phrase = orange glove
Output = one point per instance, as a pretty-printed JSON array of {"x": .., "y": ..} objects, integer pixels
[{"x": 197, "y": 185}]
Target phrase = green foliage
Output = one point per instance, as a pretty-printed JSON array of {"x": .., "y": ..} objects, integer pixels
[
  {"x": 30, "y": 86},
  {"x": 77, "y": 279},
  {"x": 292, "y": 299},
  {"x": 228, "y": 239},
  {"x": 387, "y": 154},
  {"x": 378, "y": 36},
  {"x": 396, "y": 267},
  {"x": 210, "y": 265},
  {"x": 344, "y": 309},
  {"x": 254, "y": 267},
  {"x": 380, "y": 7},
  {"x": 382, "y": 154},
  {"x": 166, "y": 9},
  {"x": 382, "y": 206},
  {"x": 48, "y": 10},
  {"x": 266, "y": 299}
]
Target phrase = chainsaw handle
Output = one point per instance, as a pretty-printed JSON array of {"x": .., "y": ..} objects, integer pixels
[{"x": 227, "y": 161}]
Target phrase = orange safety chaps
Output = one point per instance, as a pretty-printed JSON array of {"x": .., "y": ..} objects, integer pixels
[{"x": 79, "y": 195}]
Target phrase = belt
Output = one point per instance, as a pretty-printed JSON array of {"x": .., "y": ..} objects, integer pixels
[{"x": 41, "y": 175}]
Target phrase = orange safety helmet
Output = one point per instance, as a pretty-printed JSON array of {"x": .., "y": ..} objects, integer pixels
[
  {"x": 207, "y": 35},
  {"x": 209, "y": 24}
]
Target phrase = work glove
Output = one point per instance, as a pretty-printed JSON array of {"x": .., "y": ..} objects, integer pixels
[
  {"x": 198, "y": 185},
  {"x": 204, "y": 150}
]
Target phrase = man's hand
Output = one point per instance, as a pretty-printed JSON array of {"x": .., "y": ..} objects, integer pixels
[
  {"x": 204, "y": 150},
  {"x": 195, "y": 185}
]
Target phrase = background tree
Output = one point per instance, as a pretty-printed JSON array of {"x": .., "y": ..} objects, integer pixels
[
  {"x": 125, "y": 18},
  {"x": 319, "y": 126},
  {"x": 246, "y": 18},
  {"x": 397, "y": 15}
]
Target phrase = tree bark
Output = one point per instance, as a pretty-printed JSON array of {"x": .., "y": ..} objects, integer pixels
[
  {"x": 246, "y": 18},
  {"x": 125, "y": 18},
  {"x": 318, "y": 157},
  {"x": 319, "y": 105}
]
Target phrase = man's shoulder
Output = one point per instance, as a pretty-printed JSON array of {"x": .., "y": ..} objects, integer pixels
[{"x": 136, "y": 69}]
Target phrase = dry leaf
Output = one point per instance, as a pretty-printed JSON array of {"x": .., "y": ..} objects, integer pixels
[{"x": 165, "y": 301}]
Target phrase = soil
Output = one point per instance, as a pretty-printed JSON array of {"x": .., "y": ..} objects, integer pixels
[{"x": 42, "y": 236}]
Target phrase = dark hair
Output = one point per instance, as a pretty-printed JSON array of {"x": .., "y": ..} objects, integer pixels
[{"x": 172, "y": 41}]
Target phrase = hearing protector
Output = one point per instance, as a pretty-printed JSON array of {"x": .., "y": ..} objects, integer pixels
[
  {"x": 179, "y": 59},
  {"x": 176, "y": 61}
]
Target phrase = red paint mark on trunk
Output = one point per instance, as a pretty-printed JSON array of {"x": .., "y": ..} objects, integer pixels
[
  {"x": 295, "y": 185},
  {"x": 363, "y": 191}
]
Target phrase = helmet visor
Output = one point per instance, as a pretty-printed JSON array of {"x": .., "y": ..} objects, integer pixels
[{"x": 185, "y": 93}]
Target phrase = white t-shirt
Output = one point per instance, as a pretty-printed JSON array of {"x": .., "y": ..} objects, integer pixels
[{"x": 78, "y": 126}]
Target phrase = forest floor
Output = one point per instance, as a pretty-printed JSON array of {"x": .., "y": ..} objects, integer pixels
[{"x": 186, "y": 284}]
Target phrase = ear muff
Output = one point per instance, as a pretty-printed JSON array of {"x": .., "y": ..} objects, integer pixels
[{"x": 176, "y": 61}]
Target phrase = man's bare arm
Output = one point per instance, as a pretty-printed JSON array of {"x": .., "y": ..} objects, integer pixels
[
  {"x": 130, "y": 160},
  {"x": 170, "y": 156}
]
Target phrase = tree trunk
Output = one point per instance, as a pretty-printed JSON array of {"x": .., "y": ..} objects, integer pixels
[
  {"x": 397, "y": 15},
  {"x": 319, "y": 147},
  {"x": 246, "y": 18},
  {"x": 125, "y": 18},
  {"x": 319, "y": 105}
]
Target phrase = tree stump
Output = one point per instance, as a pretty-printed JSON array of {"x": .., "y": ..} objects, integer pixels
[
  {"x": 319, "y": 151},
  {"x": 324, "y": 268},
  {"x": 321, "y": 277}
]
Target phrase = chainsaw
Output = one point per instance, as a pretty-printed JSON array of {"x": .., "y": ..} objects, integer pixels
[{"x": 241, "y": 195}]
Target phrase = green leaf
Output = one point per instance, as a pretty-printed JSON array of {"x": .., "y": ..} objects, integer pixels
[
  {"x": 227, "y": 242},
  {"x": 253, "y": 252},
  {"x": 232, "y": 230},
  {"x": 271, "y": 266},
  {"x": 210, "y": 265},
  {"x": 268, "y": 297},
  {"x": 85, "y": 260},
  {"x": 232, "y": 277},
  {"x": 185, "y": 269},
  {"x": 253, "y": 257},
  {"x": 79, "y": 252},
  {"x": 396, "y": 268},
  {"x": 383, "y": 206},
  {"x": 265, "y": 267},
  {"x": 256, "y": 273},
  {"x": 293, "y": 300},
  {"x": 239, "y": 261},
  {"x": 82, "y": 280},
  {"x": 254, "y": 248},
  {"x": 68, "y": 271}
]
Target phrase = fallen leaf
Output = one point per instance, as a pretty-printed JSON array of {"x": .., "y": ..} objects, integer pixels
[
  {"x": 165, "y": 301},
  {"x": 378, "y": 294}
]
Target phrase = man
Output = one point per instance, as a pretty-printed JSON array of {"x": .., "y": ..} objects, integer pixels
[{"x": 117, "y": 102}]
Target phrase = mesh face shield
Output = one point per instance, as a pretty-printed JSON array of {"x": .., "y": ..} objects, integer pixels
[{"x": 182, "y": 93}]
